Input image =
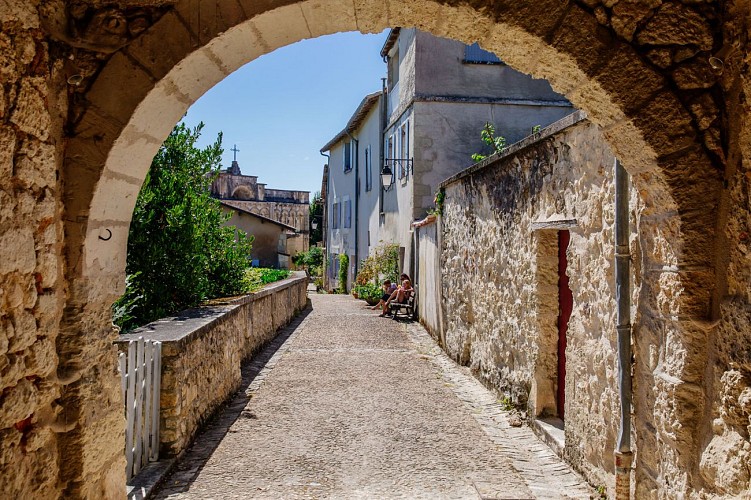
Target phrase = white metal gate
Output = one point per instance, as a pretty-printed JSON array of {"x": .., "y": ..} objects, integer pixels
[{"x": 141, "y": 376}]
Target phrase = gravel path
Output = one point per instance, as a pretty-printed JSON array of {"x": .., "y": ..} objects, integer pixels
[{"x": 345, "y": 404}]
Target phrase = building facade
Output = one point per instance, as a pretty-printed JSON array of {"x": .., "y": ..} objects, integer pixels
[
  {"x": 284, "y": 206},
  {"x": 423, "y": 126},
  {"x": 269, "y": 236}
]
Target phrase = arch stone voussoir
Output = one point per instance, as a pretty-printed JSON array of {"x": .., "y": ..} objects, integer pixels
[{"x": 143, "y": 89}]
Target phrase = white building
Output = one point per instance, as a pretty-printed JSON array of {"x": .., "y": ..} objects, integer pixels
[{"x": 424, "y": 127}]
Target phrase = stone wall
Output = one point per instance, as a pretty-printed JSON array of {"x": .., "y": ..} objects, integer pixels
[
  {"x": 640, "y": 70},
  {"x": 500, "y": 273},
  {"x": 202, "y": 350},
  {"x": 32, "y": 104}
]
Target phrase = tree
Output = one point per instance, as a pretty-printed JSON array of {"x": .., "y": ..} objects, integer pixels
[
  {"x": 316, "y": 215},
  {"x": 179, "y": 252}
]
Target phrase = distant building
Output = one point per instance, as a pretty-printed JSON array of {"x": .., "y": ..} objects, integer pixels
[
  {"x": 270, "y": 236},
  {"x": 290, "y": 208},
  {"x": 424, "y": 126}
]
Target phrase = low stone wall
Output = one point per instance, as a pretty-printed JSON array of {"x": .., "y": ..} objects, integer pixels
[{"x": 202, "y": 349}]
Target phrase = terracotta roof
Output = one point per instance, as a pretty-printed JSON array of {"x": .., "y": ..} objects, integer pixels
[
  {"x": 357, "y": 119},
  {"x": 229, "y": 204}
]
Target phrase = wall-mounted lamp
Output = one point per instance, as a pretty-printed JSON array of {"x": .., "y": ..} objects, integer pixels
[
  {"x": 387, "y": 177},
  {"x": 314, "y": 224}
]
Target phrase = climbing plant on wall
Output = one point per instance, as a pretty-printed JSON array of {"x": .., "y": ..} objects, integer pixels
[
  {"x": 179, "y": 252},
  {"x": 343, "y": 272}
]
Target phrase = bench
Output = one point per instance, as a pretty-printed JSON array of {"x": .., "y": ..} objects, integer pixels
[{"x": 406, "y": 308}]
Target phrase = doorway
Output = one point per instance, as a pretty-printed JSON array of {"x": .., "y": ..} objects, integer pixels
[{"x": 565, "y": 306}]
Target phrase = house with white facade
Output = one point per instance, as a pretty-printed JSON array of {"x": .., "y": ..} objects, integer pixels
[{"x": 421, "y": 128}]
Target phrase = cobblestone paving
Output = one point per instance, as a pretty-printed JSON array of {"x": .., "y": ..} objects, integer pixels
[{"x": 345, "y": 404}]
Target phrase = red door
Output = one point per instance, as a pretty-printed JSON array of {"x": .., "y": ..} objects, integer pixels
[{"x": 565, "y": 305}]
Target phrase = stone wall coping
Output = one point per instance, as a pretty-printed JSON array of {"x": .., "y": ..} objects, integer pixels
[
  {"x": 549, "y": 131},
  {"x": 190, "y": 324}
]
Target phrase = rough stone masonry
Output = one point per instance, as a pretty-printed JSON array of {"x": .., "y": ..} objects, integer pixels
[{"x": 90, "y": 89}]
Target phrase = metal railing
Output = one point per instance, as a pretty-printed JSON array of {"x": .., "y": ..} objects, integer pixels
[{"x": 401, "y": 167}]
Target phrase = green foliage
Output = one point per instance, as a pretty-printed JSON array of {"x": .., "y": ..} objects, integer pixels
[
  {"x": 496, "y": 143},
  {"x": 369, "y": 292},
  {"x": 316, "y": 214},
  {"x": 312, "y": 260},
  {"x": 343, "y": 271},
  {"x": 536, "y": 129},
  {"x": 381, "y": 264},
  {"x": 256, "y": 277},
  {"x": 440, "y": 197},
  {"x": 179, "y": 253},
  {"x": 506, "y": 403}
]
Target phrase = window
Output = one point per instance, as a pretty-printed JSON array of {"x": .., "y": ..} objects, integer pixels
[
  {"x": 348, "y": 213},
  {"x": 394, "y": 68},
  {"x": 336, "y": 216},
  {"x": 473, "y": 54},
  {"x": 403, "y": 149},
  {"x": 347, "y": 156},
  {"x": 368, "y": 170}
]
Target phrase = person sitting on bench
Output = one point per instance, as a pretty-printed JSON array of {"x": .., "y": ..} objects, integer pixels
[
  {"x": 388, "y": 289},
  {"x": 400, "y": 295}
]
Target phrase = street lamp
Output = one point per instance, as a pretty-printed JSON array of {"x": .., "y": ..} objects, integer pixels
[
  {"x": 387, "y": 177},
  {"x": 314, "y": 224}
]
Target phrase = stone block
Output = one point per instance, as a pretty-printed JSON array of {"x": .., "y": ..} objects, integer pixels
[
  {"x": 630, "y": 81},
  {"x": 17, "y": 403},
  {"x": 665, "y": 124},
  {"x": 327, "y": 17},
  {"x": 17, "y": 248},
  {"x": 7, "y": 152},
  {"x": 371, "y": 16},
  {"x": 119, "y": 87},
  {"x": 37, "y": 168},
  {"x": 237, "y": 47},
  {"x": 676, "y": 24},
  {"x": 207, "y": 20},
  {"x": 280, "y": 27},
  {"x": 166, "y": 43},
  {"x": 585, "y": 40},
  {"x": 30, "y": 113}
]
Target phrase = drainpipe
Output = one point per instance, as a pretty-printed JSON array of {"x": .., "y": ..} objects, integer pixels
[
  {"x": 324, "y": 219},
  {"x": 623, "y": 454},
  {"x": 357, "y": 201},
  {"x": 382, "y": 146}
]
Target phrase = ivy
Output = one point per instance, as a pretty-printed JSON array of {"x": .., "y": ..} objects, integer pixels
[{"x": 343, "y": 271}]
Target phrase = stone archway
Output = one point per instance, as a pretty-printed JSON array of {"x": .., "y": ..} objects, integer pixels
[{"x": 645, "y": 84}]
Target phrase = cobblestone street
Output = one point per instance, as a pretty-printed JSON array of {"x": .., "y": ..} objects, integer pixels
[{"x": 345, "y": 404}]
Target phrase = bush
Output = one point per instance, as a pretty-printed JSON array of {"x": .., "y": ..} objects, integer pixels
[
  {"x": 179, "y": 252},
  {"x": 256, "y": 277},
  {"x": 312, "y": 260},
  {"x": 382, "y": 264},
  {"x": 370, "y": 292},
  {"x": 343, "y": 271}
]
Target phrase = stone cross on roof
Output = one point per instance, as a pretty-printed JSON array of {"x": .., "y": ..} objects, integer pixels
[{"x": 235, "y": 150}]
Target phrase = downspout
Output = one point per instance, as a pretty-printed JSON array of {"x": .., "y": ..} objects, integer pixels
[
  {"x": 325, "y": 219},
  {"x": 382, "y": 145},
  {"x": 623, "y": 454},
  {"x": 357, "y": 202}
]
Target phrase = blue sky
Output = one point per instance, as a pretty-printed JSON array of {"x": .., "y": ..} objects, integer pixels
[{"x": 281, "y": 108}]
